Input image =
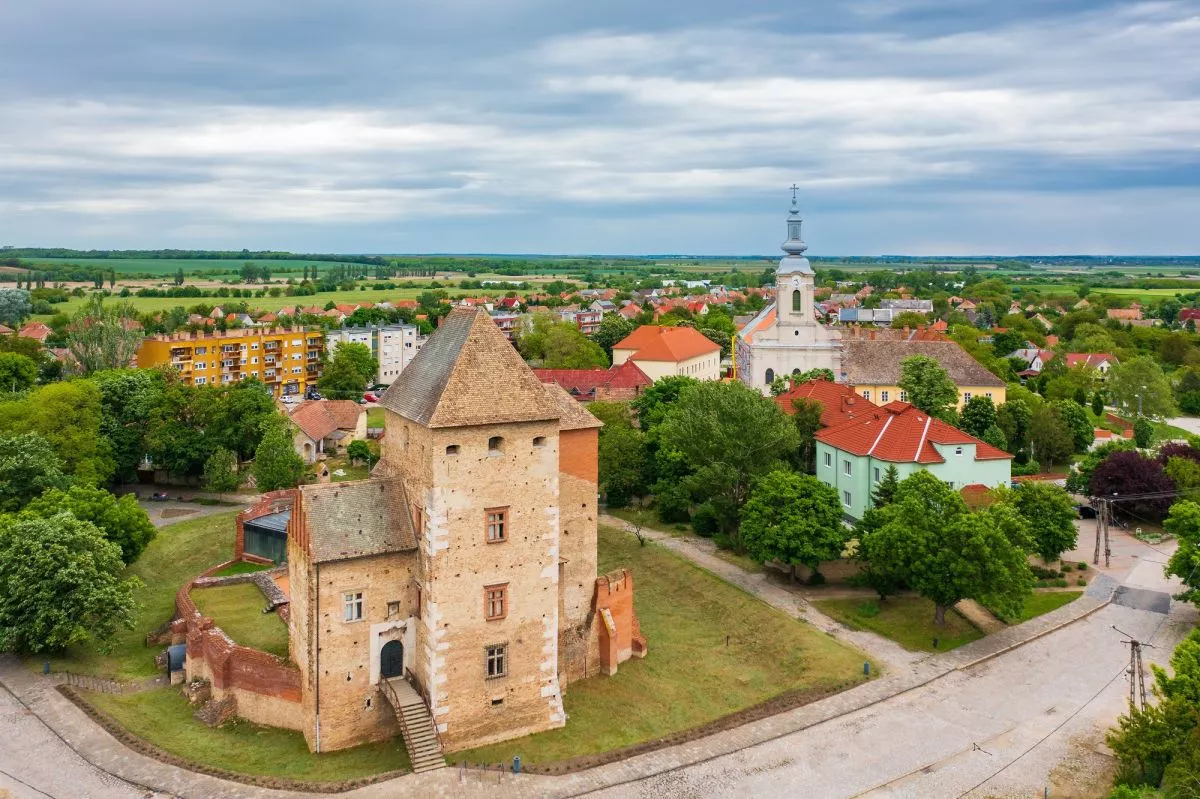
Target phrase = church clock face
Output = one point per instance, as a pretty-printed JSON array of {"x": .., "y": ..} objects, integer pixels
[{"x": 796, "y": 282}]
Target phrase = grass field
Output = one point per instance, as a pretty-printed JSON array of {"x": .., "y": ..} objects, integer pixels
[
  {"x": 1043, "y": 602},
  {"x": 1143, "y": 295},
  {"x": 169, "y": 266},
  {"x": 906, "y": 620},
  {"x": 179, "y": 552},
  {"x": 238, "y": 610},
  {"x": 164, "y": 718},
  {"x": 242, "y": 567},
  {"x": 693, "y": 673}
]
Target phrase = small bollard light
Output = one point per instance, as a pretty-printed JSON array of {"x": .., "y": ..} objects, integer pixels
[
  {"x": 866, "y": 668},
  {"x": 516, "y": 764},
  {"x": 935, "y": 643},
  {"x": 46, "y": 667}
]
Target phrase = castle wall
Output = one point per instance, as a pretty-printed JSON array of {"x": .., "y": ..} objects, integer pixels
[{"x": 579, "y": 643}]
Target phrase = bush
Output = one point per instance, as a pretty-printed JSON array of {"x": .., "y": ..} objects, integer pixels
[
  {"x": 1029, "y": 467},
  {"x": 1081, "y": 581},
  {"x": 816, "y": 579},
  {"x": 1059, "y": 583},
  {"x": 704, "y": 520},
  {"x": 1081, "y": 566}
]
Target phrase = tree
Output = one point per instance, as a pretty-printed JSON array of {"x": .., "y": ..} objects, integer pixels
[
  {"x": 567, "y": 348},
  {"x": 1077, "y": 421},
  {"x": 794, "y": 519},
  {"x": 1097, "y": 403},
  {"x": 359, "y": 452},
  {"x": 1183, "y": 522},
  {"x": 233, "y": 419},
  {"x": 179, "y": 276},
  {"x": 885, "y": 490},
  {"x": 1080, "y": 478},
  {"x": 128, "y": 397},
  {"x": 1143, "y": 431},
  {"x": 1049, "y": 513},
  {"x": 728, "y": 434},
  {"x": 948, "y": 554},
  {"x": 178, "y": 438},
  {"x": 276, "y": 464},
  {"x": 1050, "y": 436},
  {"x": 612, "y": 330},
  {"x": 1006, "y": 342},
  {"x": 1129, "y": 472},
  {"x": 1014, "y": 419},
  {"x": 68, "y": 416},
  {"x": 28, "y": 467},
  {"x": 622, "y": 462},
  {"x": 657, "y": 399},
  {"x": 359, "y": 355},
  {"x": 928, "y": 386},
  {"x": 806, "y": 417},
  {"x": 61, "y": 583},
  {"x": 15, "y": 306},
  {"x": 1141, "y": 377},
  {"x": 17, "y": 372},
  {"x": 104, "y": 337},
  {"x": 121, "y": 519},
  {"x": 342, "y": 380},
  {"x": 995, "y": 436},
  {"x": 978, "y": 415},
  {"x": 221, "y": 471}
]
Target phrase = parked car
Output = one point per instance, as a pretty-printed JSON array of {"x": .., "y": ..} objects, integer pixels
[
  {"x": 159, "y": 496},
  {"x": 369, "y": 397},
  {"x": 1085, "y": 511}
]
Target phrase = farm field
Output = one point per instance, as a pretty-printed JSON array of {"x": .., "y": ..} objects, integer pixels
[
  {"x": 168, "y": 266},
  {"x": 1142, "y": 294}
]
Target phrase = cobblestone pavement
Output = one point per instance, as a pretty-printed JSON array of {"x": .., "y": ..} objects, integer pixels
[{"x": 992, "y": 718}]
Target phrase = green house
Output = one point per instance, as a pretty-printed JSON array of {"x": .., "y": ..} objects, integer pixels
[{"x": 853, "y": 456}]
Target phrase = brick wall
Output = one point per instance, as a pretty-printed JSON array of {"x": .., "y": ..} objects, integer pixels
[
  {"x": 272, "y": 502},
  {"x": 620, "y": 634},
  {"x": 578, "y": 641}
]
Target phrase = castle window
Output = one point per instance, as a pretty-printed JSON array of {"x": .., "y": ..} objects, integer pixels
[
  {"x": 539, "y": 441},
  {"x": 494, "y": 445},
  {"x": 496, "y": 658},
  {"x": 496, "y": 524},
  {"x": 495, "y": 602},
  {"x": 352, "y": 606},
  {"x": 452, "y": 449}
]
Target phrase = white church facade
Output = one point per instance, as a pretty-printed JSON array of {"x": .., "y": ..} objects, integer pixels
[{"x": 785, "y": 337}]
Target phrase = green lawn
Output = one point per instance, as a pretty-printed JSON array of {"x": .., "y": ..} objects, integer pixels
[
  {"x": 179, "y": 552},
  {"x": 1166, "y": 432},
  {"x": 237, "y": 609},
  {"x": 164, "y": 717},
  {"x": 906, "y": 620},
  {"x": 243, "y": 567},
  {"x": 1043, "y": 602},
  {"x": 691, "y": 675},
  {"x": 375, "y": 417}
]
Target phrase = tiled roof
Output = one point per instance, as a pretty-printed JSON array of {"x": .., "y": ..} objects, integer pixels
[
  {"x": 667, "y": 344},
  {"x": 878, "y": 362},
  {"x": 468, "y": 373},
  {"x": 839, "y": 403},
  {"x": 1093, "y": 359},
  {"x": 902, "y": 433},
  {"x": 320, "y": 419},
  {"x": 763, "y": 321},
  {"x": 574, "y": 415},
  {"x": 38, "y": 330},
  {"x": 345, "y": 413},
  {"x": 585, "y": 381},
  {"x": 356, "y": 519}
]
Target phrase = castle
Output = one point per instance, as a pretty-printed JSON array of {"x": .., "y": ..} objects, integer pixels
[{"x": 465, "y": 566}]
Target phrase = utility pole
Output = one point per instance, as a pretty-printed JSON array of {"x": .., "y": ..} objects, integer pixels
[
  {"x": 1137, "y": 671},
  {"x": 1098, "y": 504},
  {"x": 1107, "y": 521}
]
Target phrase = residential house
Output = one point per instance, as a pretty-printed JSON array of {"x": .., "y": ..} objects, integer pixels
[
  {"x": 1189, "y": 315},
  {"x": 839, "y": 403},
  {"x": 665, "y": 351},
  {"x": 616, "y": 383},
  {"x": 586, "y": 319},
  {"x": 36, "y": 330},
  {"x": 854, "y": 456},
  {"x": 1130, "y": 314},
  {"x": 899, "y": 306},
  {"x": 327, "y": 427},
  {"x": 1035, "y": 360},
  {"x": 873, "y": 369},
  {"x": 1100, "y": 361},
  {"x": 881, "y": 317}
]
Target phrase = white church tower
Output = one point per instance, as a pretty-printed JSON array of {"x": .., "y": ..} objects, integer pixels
[{"x": 785, "y": 337}]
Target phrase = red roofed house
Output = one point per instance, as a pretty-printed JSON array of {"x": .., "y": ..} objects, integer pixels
[
  {"x": 1100, "y": 361},
  {"x": 327, "y": 426},
  {"x": 630, "y": 311},
  {"x": 617, "y": 383},
  {"x": 666, "y": 351},
  {"x": 5, "y": 330},
  {"x": 1189, "y": 315},
  {"x": 853, "y": 456},
  {"x": 839, "y": 402},
  {"x": 1130, "y": 314},
  {"x": 36, "y": 330}
]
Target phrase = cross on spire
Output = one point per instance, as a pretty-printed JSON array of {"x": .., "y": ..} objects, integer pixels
[{"x": 795, "y": 189}]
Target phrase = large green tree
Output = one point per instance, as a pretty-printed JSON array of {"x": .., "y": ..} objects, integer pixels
[
  {"x": 613, "y": 328},
  {"x": 234, "y": 419},
  {"x": 128, "y": 398},
  {"x": 104, "y": 336},
  {"x": 221, "y": 471},
  {"x": 1049, "y": 514},
  {"x": 28, "y": 467},
  {"x": 348, "y": 373},
  {"x": 15, "y": 306},
  {"x": 928, "y": 386},
  {"x": 61, "y": 583},
  {"x": 1183, "y": 522},
  {"x": 728, "y": 434},
  {"x": 946, "y": 553},
  {"x": 1014, "y": 418},
  {"x": 978, "y": 415},
  {"x": 1050, "y": 436},
  {"x": 17, "y": 372},
  {"x": 557, "y": 345},
  {"x": 68, "y": 416},
  {"x": 121, "y": 519},
  {"x": 1141, "y": 377},
  {"x": 178, "y": 438},
  {"x": 1077, "y": 421},
  {"x": 276, "y": 464},
  {"x": 793, "y": 519},
  {"x": 806, "y": 416}
]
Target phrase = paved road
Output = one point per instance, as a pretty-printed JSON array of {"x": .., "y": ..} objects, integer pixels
[{"x": 1188, "y": 423}]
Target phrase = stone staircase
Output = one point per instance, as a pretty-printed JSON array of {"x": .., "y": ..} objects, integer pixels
[{"x": 416, "y": 725}]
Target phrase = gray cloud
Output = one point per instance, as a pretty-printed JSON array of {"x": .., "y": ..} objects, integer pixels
[{"x": 668, "y": 127}]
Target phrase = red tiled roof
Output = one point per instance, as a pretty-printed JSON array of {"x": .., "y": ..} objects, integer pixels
[
  {"x": 1093, "y": 359},
  {"x": 38, "y": 330},
  {"x": 839, "y": 403},
  {"x": 766, "y": 323},
  {"x": 582, "y": 383},
  {"x": 5, "y": 330},
  {"x": 320, "y": 418},
  {"x": 1189, "y": 313},
  {"x": 902, "y": 433},
  {"x": 675, "y": 344}
]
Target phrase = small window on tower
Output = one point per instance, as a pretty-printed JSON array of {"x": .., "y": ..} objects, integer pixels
[
  {"x": 539, "y": 441},
  {"x": 452, "y": 449},
  {"x": 495, "y": 443},
  {"x": 797, "y": 301}
]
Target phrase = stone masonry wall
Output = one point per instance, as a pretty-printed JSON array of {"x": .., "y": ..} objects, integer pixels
[{"x": 579, "y": 642}]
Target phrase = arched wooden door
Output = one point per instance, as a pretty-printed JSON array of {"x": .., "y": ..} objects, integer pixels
[{"x": 391, "y": 660}]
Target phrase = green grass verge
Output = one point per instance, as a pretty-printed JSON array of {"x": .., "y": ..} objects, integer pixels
[
  {"x": 242, "y": 567},
  {"x": 375, "y": 417},
  {"x": 906, "y": 620},
  {"x": 1167, "y": 432},
  {"x": 179, "y": 552},
  {"x": 164, "y": 718},
  {"x": 237, "y": 609},
  {"x": 1042, "y": 602},
  {"x": 691, "y": 675}
]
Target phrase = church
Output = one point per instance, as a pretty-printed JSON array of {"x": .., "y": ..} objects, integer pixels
[{"x": 785, "y": 337}]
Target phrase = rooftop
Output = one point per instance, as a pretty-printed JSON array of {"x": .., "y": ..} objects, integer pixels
[
  {"x": 652, "y": 343},
  {"x": 902, "y": 433},
  {"x": 878, "y": 362},
  {"x": 357, "y": 519},
  {"x": 839, "y": 403}
]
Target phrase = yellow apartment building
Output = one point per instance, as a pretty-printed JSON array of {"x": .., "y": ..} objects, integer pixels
[{"x": 286, "y": 360}]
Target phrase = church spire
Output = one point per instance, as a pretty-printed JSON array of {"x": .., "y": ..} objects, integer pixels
[{"x": 794, "y": 247}]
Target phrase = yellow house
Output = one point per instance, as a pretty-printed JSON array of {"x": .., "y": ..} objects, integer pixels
[
  {"x": 668, "y": 351},
  {"x": 872, "y": 368},
  {"x": 288, "y": 361}
]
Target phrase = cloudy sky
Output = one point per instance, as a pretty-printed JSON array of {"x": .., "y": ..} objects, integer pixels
[{"x": 655, "y": 126}]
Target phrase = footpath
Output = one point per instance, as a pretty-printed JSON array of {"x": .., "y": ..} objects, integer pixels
[{"x": 903, "y": 672}]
